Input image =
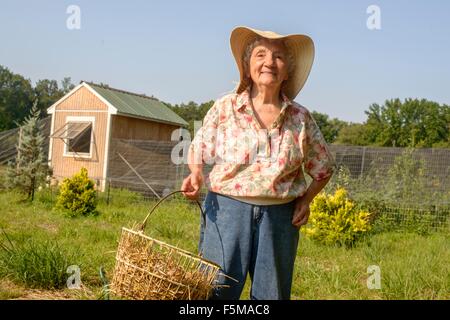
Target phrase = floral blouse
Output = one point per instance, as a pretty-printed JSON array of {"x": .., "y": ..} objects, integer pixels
[{"x": 249, "y": 161}]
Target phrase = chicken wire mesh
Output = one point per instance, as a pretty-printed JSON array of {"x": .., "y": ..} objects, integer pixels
[{"x": 403, "y": 186}]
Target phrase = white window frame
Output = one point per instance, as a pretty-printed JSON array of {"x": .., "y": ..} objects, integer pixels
[{"x": 67, "y": 153}]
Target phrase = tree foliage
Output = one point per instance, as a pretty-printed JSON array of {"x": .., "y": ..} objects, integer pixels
[
  {"x": 330, "y": 128},
  {"x": 30, "y": 168},
  {"x": 411, "y": 123},
  {"x": 17, "y": 95},
  {"x": 353, "y": 134},
  {"x": 191, "y": 112}
]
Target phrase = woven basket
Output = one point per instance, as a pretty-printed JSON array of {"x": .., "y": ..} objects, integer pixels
[{"x": 149, "y": 269}]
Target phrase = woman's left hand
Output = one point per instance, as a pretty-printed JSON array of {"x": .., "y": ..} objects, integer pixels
[{"x": 301, "y": 213}]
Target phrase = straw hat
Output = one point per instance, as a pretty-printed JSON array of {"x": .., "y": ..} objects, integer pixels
[{"x": 300, "y": 46}]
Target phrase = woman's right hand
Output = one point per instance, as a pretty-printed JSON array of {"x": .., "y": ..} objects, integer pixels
[{"x": 192, "y": 184}]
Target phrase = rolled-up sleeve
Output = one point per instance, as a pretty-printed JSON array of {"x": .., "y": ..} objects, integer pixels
[
  {"x": 319, "y": 163},
  {"x": 203, "y": 146}
]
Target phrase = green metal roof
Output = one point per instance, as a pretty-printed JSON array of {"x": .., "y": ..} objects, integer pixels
[{"x": 132, "y": 104}]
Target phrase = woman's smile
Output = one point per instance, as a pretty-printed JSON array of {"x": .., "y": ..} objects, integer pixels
[{"x": 267, "y": 66}]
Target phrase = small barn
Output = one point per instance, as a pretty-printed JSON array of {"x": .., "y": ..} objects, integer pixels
[{"x": 89, "y": 117}]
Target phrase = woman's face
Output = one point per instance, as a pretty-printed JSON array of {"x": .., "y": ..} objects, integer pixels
[{"x": 268, "y": 64}]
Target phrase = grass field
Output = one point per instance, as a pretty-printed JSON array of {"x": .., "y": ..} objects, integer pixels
[{"x": 412, "y": 266}]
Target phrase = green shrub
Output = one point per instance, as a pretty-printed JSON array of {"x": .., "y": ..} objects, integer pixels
[
  {"x": 335, "y": 219},
  {"x": 36, "y": 264},
  {"x": 77, "y": 195}
]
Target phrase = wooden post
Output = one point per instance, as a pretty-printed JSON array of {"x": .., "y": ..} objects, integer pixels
[
  {"x": 18, "y": 147},
  {"x": 108, "y": 193},
  {"x": 362, "y": 162}
]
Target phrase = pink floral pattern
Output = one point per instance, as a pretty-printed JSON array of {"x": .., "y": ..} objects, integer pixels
[{"x": 252, "y": 162}]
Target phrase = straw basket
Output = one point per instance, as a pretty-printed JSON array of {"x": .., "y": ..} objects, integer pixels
[{"x": 150, "y": 269}]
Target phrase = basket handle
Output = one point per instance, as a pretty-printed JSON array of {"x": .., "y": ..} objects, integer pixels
[{"x": 159, "y": 202}]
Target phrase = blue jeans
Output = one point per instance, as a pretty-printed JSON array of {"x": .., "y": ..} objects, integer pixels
[{"x": 244, "y": 238}]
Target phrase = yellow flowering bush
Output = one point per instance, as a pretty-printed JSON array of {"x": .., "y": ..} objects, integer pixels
[
  {"x": 77, "y": 195},
  {"x": 335, "y": 219}
]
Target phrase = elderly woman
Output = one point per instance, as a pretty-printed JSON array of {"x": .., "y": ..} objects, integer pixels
[{"x": 258, "y": 139}]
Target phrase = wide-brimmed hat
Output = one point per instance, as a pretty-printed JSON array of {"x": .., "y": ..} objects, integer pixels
[{"x": 300, "y": 46}]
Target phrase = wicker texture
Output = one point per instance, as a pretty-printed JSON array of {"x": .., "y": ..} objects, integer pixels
[{"x": 149, "y": 269}]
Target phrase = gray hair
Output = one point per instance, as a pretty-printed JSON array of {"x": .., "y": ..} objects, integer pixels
[{"x": 252, "y": 45}]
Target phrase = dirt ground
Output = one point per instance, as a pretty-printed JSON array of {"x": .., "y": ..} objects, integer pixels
[{"x": 12, "y": 291}]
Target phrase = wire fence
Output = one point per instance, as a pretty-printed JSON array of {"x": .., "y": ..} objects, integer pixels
[
  {"x": 432, "y": 164},
  {"x": 9, "y": 140},
  {"x": 152, "y": 159},
  {"x": 401, "y": 186}
]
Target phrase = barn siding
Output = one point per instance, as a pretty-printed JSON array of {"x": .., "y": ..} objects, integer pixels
[
  {"x": 82, "y": 99},
  {"x": 138, "y": 129},
  {"x": 89, "y": 106}
]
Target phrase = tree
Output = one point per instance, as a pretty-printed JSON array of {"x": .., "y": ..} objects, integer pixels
[
  {"x": 47, "y": 92},
  {"x": 16, "y": 96},
  {"x": 356, "y": 134},
  {"x": 411, "y": 123},
  {"x": 66, "y": 85},
  {"x": 329, "y": 127},
  {"x": 30, "y": 167},
  {"x": 191, "y": 112}
]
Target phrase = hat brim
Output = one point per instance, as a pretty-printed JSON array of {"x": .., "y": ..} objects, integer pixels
[{"x": 301, "y": 47}]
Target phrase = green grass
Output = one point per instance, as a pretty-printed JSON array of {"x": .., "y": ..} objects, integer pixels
[
  {"x": 413, "y": 266},
  {"x": 35, "y": 263}
]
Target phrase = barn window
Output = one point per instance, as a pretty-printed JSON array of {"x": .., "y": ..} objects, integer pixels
[{"x": 79, "y": 137}]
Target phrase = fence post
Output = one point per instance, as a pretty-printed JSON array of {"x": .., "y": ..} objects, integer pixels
[
  {"x": 108, "y": 193},
  {"x": 19, "y": 146},
  {"x": 362, "y": 162},
  {"x": 176, "y": 177},
  {"x": 182, "y": 174}
]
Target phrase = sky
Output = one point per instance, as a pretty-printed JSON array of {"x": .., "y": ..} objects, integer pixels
[{"x": 179, "y": 51}]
